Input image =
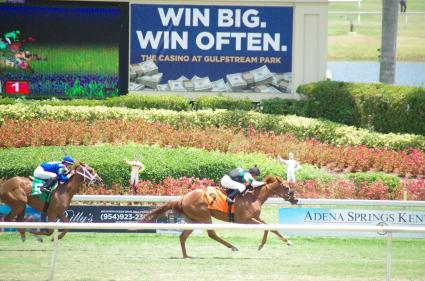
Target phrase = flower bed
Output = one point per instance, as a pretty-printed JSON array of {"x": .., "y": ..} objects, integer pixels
[{"x": 41, "y": 132}]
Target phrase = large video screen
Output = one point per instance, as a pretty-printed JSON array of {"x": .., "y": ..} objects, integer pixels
[{"x": 62, "y": 49}]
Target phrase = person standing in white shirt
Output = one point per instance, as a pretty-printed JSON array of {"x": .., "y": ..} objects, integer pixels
[
  {"x": 291, "y": 167},
  {"x": 136, "y": 168}
]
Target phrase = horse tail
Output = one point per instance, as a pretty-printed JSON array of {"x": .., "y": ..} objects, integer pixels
[{"x": 172, "y": 205}]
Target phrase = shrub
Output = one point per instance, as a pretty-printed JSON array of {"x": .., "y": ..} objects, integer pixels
[
  {"x": 281, "y": 106},
  {"x": 220, "y": 102},
  {"x": 301, "y": 127},
  {"x": 383, "y": 108}
]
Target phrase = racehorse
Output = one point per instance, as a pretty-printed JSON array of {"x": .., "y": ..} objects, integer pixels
[
  {"x": 194, "y": 206},
  {"x": 16, "y": 192}
]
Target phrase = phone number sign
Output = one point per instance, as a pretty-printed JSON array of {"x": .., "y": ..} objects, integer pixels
[{"x": 112, "y": 214}]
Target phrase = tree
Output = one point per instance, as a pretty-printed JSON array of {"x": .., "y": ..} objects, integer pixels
[{"x": 388, "y": 41}]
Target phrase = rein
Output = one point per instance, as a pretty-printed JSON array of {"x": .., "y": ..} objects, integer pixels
[
  {"x": 87, "y": 175},
  {"x": 276, "y": 193}
]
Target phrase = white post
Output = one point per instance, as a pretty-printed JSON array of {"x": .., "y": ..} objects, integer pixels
[
  {"x": 389, "y": 249},
  {"x": 358, "y": 15},
  {"x": 54, "y": 255}
]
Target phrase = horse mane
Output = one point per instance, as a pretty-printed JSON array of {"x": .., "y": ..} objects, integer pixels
[{"x": 272, "y": 179}]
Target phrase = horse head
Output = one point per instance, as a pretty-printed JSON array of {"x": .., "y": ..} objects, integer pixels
[
  {"x": 88, "y": 173},
  {"x": 279, "y": 187}
]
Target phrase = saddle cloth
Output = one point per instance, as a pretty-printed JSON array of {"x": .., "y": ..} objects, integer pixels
[
  {"x": 217, "y": 200},
  {"x": 35, "y": 190}
]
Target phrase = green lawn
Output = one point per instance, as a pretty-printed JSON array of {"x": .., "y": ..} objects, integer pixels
[
  {"x": 364, "y": 43},
  {"x": 101, "y": 256}
]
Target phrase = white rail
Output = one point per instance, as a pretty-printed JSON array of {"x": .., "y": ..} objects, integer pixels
[
  {"x": 279, "y": 227},
  {"x": 349, "y": 202}
]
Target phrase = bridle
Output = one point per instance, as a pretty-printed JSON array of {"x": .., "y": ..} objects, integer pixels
[
  {"x": 284, "y": 196},
  {"x": 88, "y": 177}
]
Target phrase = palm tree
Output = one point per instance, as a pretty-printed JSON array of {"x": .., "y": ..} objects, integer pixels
[{"x": 388, "y": 41}]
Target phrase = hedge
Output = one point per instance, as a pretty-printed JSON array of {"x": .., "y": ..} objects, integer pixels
[
  {"x": 220, "y": 102},
  {"x": 380, "y": 107},
  {"x": 300, "y": 127},
  {"x": 128, "y": 101},
  {"x": 108, "y": 161}
]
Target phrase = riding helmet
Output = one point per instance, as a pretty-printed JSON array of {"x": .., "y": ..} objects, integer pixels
[
  {"x": 254, "y": 171},
  {"x": 68, "y": 159}
]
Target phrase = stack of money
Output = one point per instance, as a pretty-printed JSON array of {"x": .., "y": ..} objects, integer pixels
[
  {"x": 220, "y": 86},
  {"x": 145, "y": 74},
  {"x": 133, "y": 73},
  {"x": 176, "y": 86},
  {"x": 202, "y": 84},
  {"x": 236, "y": 82},
  {"x": 162, "y": 87},
  {"x": 266, "y": 89},
  {"x": 249, "y": 78},
  {"x": 262, "y": 75},
  {"x": 137, "y": 69},
  {"x": 188, "y": 84},
  {"x": 151, "y": 81},
  {"x": 135, "y": 87},
  {"x": 279, "y": 82}
]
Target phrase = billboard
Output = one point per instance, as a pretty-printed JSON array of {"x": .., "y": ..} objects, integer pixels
[
  {"x": 101, "y": 214},
  {"x": 197, "y": 48},
  {"x": 62, "y": 49},
  {"x": 331, "y": 216}
]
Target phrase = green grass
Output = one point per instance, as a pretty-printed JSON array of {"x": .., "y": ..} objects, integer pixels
[
  {"x": 93, "y": 59},
  {"x": 101, "y": 256},
  {"x": 364, "y": 43}
]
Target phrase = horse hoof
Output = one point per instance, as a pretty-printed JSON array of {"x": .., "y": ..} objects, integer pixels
[
  {"x": 289, "y": 243},
  {"x": 260, "y": 247},
  {"x": 234, "y": 249}
]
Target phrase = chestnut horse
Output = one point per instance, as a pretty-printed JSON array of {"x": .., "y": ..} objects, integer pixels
[
  {"x": 16, "y": 192},
  {"x": 194, "y": 206}
]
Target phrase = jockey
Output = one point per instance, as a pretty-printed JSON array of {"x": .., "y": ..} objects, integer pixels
[
  {"x": 239, "y": 179},
  {"x": 52, "y": 171}
]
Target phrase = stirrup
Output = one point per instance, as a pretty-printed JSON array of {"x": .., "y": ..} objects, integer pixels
[{"x": 230, "y": 200}]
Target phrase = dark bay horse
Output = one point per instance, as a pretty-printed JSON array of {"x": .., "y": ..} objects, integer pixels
[
  {"x": 194, "y": 206},
  {"x": 15, "y": 193}
]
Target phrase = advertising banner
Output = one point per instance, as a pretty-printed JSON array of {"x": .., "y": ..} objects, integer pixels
[
  {"x": 101, "y": 214},
  {"x": 323, "y": 216},
  {"x": 190, "y": 48}
]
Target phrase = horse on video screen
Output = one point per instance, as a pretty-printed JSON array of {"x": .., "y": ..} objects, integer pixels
[
  {"x": 16, "y": 193},
  {"x": 195, "y": 206}
]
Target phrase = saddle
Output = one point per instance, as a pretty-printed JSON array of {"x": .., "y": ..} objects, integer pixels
[{"x": 217, "y": 200}]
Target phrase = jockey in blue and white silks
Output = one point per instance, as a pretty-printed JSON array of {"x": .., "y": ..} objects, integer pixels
[{"x": 52, "y": 171}]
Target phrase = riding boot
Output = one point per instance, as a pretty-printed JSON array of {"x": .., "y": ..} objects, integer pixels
[
  {"x": 47, "y": 186},
  {"x": 231, "y": 196}
]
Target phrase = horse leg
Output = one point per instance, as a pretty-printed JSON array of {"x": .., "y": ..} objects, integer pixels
[
  {"x": 20, "y": 218},
  {"x": 19, "y": 213},
  {"x": 183, "y": 238},
  {"x": 283, "y": 238},
  {"x": 264, "y": 240},
  {"x": 213, "y": 235},
  {"x": 64, "y": 231},
  {"x": 49, "y": 231}
]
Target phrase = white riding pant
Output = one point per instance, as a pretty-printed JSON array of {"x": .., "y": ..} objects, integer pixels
[
  {"x": 134, "y": 178},
  {"x": 290, "y": 177},
  {"x": 227, "y": 182},
  {"x": 40, "y": 173}
]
